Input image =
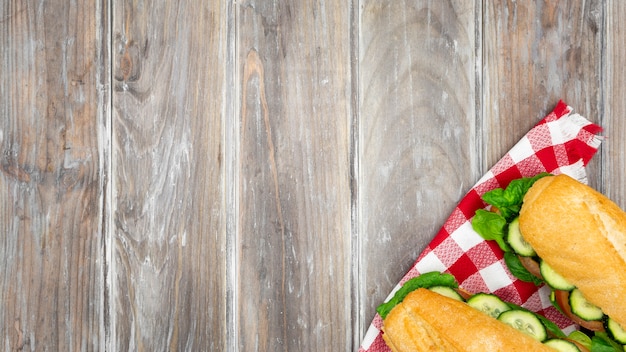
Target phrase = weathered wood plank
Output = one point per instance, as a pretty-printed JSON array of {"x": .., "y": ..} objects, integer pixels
[
  {"x": 417, "y": 143},
  {"x": 52, "y": 94},
  {"x": 169, "y": 264},
  {"x": 536, "y": 53},
  {"x": 293, "y": 279},
  {"x": 232, "y": 126},
  {"x": 614, "y": 79}
]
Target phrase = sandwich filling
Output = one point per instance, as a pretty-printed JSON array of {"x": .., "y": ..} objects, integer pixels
[
  {"x": 501, "y": 223},
  {"x": 408, "y": 316}
]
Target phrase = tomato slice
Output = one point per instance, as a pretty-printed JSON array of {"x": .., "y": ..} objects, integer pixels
[
  {"x": 562, "y": 299},
  {"x": 531, "y": 265}
]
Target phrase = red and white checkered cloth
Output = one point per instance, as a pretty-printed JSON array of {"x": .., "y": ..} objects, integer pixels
[{"x": 562, "y": 142}]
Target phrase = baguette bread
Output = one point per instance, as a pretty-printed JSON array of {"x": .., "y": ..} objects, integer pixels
[
  {"x": 428, "y": 321},
  {"x": 581, "y": 234}
]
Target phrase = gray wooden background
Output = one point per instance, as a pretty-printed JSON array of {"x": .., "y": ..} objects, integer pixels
[{"x": 257, "y": 175}]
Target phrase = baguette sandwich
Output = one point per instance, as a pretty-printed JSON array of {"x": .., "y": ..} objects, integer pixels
[
  {"x": 558, "y": 231},
  {"x": 430, "y": 313}
]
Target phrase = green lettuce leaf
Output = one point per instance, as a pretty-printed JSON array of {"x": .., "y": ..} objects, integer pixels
[
  {"x": 491, "y": 226},
  {"x": 426, "y": 280},
  {"x": 494, "y": 226},
  {"x": 509, "y": 200},
  {"x": 601, "y": 342},
  {"x": 518, "y": 270}
]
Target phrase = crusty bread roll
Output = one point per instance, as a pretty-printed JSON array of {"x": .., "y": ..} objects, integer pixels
[
  {"x": 581, "y": 234},
  {"x": 428, "y": 321}
]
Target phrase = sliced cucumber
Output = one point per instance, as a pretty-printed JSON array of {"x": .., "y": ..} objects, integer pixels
[
  {"x": 553, "y": 279},
  {"x": 525, "y": 322},
  {"x": 562, "y": 345},
  {"x": 517, "y": 242},
  {"x": 489, "y": 304},
  {"x": 583, "y": 308},
  {"x": 616, "y": 331},
  {"x": 448, "y": 292}
]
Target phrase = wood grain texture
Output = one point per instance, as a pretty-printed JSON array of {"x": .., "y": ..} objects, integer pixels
[
  {"x": 536, "y": 53},
  {"x": 293, "y": 279},
  {"x": 258, "y": 175},
  {"x": 417, "y": 131},
  {"x": 169, "y": 284},
  {"x": 614, "y": 79},
  {"x": 51, "y": 184}
]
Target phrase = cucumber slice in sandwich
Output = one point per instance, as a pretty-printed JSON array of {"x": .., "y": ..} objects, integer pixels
[
  {"x": 448, "y": 292},
  {"x": 553, "y": 279},
  {"x": 562, "y": 345},
  {"x": 525, "y": 322},
  {"x": 583, "y": 308},
  {"x": 517, "y": 241},
  {"x": 489, "y": 304},
  {"x": 616, "y": 331}
]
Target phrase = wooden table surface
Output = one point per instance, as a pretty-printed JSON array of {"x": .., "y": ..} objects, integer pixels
[{"x": 257, "y": 175}]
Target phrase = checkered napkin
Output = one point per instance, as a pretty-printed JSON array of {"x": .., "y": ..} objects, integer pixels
[{"x": 562, "y": 142}]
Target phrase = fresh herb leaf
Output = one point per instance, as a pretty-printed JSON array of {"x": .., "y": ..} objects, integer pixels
[
  {"x": 509, "y": 200},
  {"x": 518, "y": 270},
  {"x": 426, "y": 280},
  {"x": 551, "y": 327},
  {"x": 491, "y": 226},
  {"x": 600, "y": 342},
  {"x": 502, "y": 200}
]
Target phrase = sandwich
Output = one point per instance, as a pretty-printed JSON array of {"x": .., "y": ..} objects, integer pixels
[
  {"x": 558, "y": 231},
  {"x": 431, "y": 313}
]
